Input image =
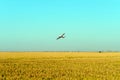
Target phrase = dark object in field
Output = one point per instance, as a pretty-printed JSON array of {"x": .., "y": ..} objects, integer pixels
[{"x": 100, "y": 51}]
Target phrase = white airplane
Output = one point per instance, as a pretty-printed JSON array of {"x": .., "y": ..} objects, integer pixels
[{"x": 61, "y": 36}]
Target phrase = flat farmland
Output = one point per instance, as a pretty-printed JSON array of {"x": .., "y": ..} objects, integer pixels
[{"x": 59, "y": 66}]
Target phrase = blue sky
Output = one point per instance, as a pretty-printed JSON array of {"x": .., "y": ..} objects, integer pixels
[{"x": 33, "y": 25}]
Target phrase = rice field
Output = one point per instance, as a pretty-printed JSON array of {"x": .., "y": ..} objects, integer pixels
[{"x": 59, "y": 66}]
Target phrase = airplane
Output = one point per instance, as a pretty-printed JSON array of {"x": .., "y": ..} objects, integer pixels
[{"x": 61, "y": 36}]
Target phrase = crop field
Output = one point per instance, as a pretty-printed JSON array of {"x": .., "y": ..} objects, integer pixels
[{"x": 59, "y": 66}]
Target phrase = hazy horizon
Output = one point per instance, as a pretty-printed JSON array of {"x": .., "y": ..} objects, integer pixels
[{"x": 90, "y": 25}]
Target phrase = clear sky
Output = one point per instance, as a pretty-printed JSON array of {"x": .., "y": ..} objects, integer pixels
[{"x": 34, "y": 25}]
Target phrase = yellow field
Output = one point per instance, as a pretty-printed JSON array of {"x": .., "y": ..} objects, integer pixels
[{"x": 59, "y": 66}]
